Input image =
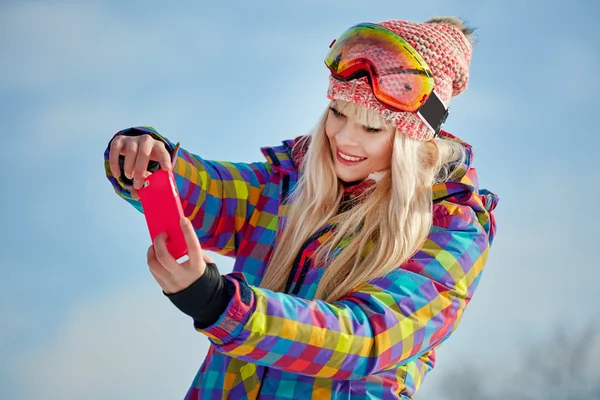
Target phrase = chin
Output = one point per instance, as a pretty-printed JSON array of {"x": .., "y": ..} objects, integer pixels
[{"x": 346, "y": 177}]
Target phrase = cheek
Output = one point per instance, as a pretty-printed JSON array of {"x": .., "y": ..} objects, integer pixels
[
  {"x": 329, "y": 129},
  {"x": 381, "y": 153},
  {"x": 332, "y": 127}
]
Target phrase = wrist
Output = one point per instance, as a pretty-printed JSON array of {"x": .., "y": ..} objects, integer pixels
[{"x": 205, "y": 299}]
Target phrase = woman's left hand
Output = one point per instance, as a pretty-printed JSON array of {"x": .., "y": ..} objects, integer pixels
[{"x": 170, "y": 275}]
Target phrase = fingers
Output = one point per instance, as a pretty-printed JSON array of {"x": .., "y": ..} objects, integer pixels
[
  {"x": 157, "y": 270},
  {"x": 160, "y": 154},
  {"x": 172, "y": 276},
  {"x": 138, "y": 151},
  {"x": 131, "y": 149},
  {"x": 116, "y": 145},
  {"x": 191, "y": 240},
  {"x": 162, "y": 253},
  {"x": 141, "y": 160}
]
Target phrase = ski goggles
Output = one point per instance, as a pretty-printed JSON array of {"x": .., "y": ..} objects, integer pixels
[{"x": 399, "y": 77}]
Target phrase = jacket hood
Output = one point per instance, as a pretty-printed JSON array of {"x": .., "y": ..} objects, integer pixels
[{"x": 463, "y": 188}]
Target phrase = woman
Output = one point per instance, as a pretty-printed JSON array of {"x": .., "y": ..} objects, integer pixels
[{"x": 356, "y": 249}]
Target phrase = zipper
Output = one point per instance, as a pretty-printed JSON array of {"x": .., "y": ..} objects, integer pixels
[
  {"x": 296, "y": 264},
  {"x": 285, "y": 188},
  {"x": 303, "y": 273}
]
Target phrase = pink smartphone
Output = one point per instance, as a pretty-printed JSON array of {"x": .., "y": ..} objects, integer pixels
[{"x": 162, "y": 209}]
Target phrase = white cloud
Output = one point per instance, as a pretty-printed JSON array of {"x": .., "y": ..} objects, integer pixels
[{"x": 129, "y": 344}]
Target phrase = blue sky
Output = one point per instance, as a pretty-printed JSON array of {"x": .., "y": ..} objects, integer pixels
[{"x": 81, "y": 315}]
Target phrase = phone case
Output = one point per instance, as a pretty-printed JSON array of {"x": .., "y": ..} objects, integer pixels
[{"x": 162, "y": 209}]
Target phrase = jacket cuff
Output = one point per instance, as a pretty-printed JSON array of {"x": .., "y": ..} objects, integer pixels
[
  {"x": 206, "y": 299},
  {"x": 144, "y": 130},
  {"x": 232, "y": 321}
]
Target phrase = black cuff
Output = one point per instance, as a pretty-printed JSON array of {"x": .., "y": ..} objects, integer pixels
[{"x": 206, "y": 299}]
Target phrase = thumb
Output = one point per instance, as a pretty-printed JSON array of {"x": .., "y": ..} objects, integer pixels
[{"x": 193, "y": 244}]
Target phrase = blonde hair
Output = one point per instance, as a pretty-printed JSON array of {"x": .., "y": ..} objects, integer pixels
[{"x": 386, "y": 226}]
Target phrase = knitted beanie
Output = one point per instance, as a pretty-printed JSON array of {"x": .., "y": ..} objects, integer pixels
[{"x": 444, "y": 48}]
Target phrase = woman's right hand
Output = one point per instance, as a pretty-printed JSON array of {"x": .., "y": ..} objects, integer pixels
[{"x": 138, "y": 151}]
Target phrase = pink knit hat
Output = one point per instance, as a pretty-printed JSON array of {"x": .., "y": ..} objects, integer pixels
[{"x": 444, "y": 48}]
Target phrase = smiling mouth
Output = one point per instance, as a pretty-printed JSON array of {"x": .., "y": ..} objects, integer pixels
[{"x": 349, "y": 159}]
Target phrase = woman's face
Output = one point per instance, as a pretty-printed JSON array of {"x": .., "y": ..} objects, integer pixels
[{"x": 357, "y": 150}]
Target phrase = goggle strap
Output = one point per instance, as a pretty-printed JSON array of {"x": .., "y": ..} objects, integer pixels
[{"x": 434, "y": 113}]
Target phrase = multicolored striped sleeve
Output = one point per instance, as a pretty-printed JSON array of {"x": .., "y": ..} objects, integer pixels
[
  {"x": 217, "y": 196},
  {"x": 385, "y": 322}
]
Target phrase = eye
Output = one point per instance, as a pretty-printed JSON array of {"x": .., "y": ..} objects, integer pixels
[
  {"x": 336, "y": 112},
  {"x": 372, "y": 130}
]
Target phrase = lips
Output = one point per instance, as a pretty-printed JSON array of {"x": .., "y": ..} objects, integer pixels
[{"x": 348, "y": 159}]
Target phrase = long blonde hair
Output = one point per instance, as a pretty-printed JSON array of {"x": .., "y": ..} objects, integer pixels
[{"x": 386, "y": 226}]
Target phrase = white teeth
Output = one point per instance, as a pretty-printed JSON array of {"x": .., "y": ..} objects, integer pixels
[{"x": 348, "y": 158}]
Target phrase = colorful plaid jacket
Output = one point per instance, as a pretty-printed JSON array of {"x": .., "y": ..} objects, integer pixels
[{"x": 377, "y": 342}]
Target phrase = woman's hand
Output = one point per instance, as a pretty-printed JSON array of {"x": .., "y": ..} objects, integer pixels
[
  {"x": 170, "y": 275},
  {"x": 138, "y": 152}
]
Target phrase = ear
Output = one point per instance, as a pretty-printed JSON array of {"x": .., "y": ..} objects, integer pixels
[{"x": 432, "y": 154}]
